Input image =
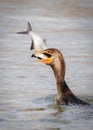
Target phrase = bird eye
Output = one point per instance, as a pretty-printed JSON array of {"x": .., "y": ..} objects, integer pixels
[{"x": 48, "y": 55}]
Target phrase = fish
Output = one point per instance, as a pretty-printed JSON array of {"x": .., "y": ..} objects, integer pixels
[{"x": 37, "y": 43}]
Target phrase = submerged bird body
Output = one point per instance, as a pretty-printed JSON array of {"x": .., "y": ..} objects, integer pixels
[
  {"x": 37, "y": 43},
  {"x": 54, "y": 58}
]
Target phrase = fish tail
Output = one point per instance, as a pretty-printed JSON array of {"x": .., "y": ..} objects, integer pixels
[{"x": 29, "y": 29}]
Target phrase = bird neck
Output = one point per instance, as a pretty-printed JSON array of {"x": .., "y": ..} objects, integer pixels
[
  {"x": 65, "y": 95},
  {"x": 59, "y": 71}
]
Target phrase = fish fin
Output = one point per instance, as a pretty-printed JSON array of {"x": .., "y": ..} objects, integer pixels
[
  {"x": 29, "y": 28},
  {"x": 44, "y": 40},
  {"x": 32, "y": 45}
]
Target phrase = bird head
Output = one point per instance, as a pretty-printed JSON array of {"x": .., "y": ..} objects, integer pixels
[{"x": 49, "y": 56}]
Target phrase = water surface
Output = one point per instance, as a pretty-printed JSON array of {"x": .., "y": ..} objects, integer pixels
[{"x": 27, "y": 89}]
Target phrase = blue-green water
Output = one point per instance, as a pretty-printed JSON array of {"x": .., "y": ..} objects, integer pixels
[{"x": 28, "y": 89}]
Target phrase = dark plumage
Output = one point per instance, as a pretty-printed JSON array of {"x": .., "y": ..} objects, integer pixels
[{"x": 55, "y": 59}]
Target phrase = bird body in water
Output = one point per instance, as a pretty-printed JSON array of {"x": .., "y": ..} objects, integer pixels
[
  {"x": 37, "y": 43},
  {"x": 55, "y": 59}
]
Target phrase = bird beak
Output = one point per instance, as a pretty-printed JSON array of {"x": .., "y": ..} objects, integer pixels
[
  {"x": 43, "y": 57},
  {"x": 46, "y": 61}
]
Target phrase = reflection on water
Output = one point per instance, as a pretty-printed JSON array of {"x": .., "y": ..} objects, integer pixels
[{"x": 27, "y": 97}]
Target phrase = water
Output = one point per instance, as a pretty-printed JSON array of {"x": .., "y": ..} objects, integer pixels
[{"x": 28, "y": 89}]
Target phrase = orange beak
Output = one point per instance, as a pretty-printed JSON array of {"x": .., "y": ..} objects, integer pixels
[
  {"x": 44, "y": 57},
  {"x": 46, "y": 61}
]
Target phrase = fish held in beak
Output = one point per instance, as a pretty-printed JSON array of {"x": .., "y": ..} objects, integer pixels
[
  {"x": 43, "y": 57},
  {"x": 37, "y": 43}
]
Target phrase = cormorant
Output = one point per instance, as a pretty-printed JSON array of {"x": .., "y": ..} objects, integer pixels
[{"x": 55, "y": 60}]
